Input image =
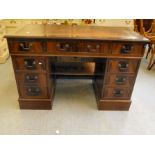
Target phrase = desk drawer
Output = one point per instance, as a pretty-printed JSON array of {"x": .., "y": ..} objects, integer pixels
[
  {"x": 29, "y": 63},
  {"x": 26, "y": 79},
  {"x": 77, "y": 46},
  {"x": 127, "y": 49},
  {"x": 33, "y": 92},
  {"x": 93, "y": 47},
  {"x": 26, "y": 46},
  {"x": 123, "y": 66},
  {"x": 119, "y": 80},
  {"x": 59, "y": 46},
  {"x": 116, "y": 93}
]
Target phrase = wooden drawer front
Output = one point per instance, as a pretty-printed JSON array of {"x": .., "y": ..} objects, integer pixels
[
  {"x": 29, "y": 63},
  {"x": 23, "y": 47},
  {"x": 33, "y": 92},
  {"x": 25, "y": 79},
  {"x": 117, "y": 93},
  {"x": 93, "y": 47},
  {"x": 119, "y": 80},
  {"x": 123, "y": 66},
  {"x": 59, "y": 46},
  {"x": 127, "y": 49}
]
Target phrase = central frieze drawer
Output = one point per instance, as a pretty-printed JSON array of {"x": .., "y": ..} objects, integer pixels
[
  {"x": 93, "y": 47},
  {"x": 123, "y": 65},
  {"x": 59, "y": 46},
  {"x": 77, "y": 46},
  {"x": 26, "y": 46}
]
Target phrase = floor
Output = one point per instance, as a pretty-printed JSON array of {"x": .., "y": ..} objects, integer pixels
[{"x": 75, "y": 111}]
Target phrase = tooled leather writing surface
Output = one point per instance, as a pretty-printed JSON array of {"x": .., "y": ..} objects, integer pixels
[{"x": 78, "y": 32}]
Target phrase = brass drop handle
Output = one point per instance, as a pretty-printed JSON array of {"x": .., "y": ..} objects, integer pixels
[
  {"x": 120, "y": 80},
  {"x": 25, "y": 46},
  {"x": 126, "y": 49},
  {"x": 123, "y": 66},
  {"x": 33, "y": 91},
  {"x": 31, "y": 78},
  {"x": 91, "y": 49},
  {"x": 63, "y": 47},
  {"x": 29, "y": 63},
  {"x": 118, "y": 93}
]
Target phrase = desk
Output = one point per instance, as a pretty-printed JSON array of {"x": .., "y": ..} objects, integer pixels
[{"x": 42, "y": 53}]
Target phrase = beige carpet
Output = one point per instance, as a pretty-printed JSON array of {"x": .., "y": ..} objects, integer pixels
[{"x": 74, "y": 110}]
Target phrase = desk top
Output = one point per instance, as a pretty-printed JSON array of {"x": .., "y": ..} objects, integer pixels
[{"x": 78, "y": 32}]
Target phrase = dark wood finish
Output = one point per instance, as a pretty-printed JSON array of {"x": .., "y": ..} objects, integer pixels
[
  {"x": 122, "y": 66},
  {"x": 26, "y": 46},
  {"x": 42, "y": 53},
  {"x": 120, "y": 80},
  {"x": 127, "y": 49},
  {"x": 40, "y": 104},
  {"x": 93, "y": 47},
  {"x": 33, "y": 92},
  {"x": 114, "y": 105},
  {"x": 32, "y": 79},
  {"x": 116, "y": 93},
  {"x": 62, "y": 46},
  {"x": 74, "y": 68},
  {"x": 29, "y": 63},
  {"x": 59, "y": 46}
]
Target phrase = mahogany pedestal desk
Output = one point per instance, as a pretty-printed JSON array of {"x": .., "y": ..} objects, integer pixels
[{"x": 42, "y": 53}]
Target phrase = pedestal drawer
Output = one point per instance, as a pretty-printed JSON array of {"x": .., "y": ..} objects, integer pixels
[
  {"x": 26, "y": 79},
  {"x": 123, "y": 65},
  {"x": 32, "y": 92},
  {"x": 29, "y": 63},
  {"x": 119, "y": 80},
  {"x": 116, "y": 93}
]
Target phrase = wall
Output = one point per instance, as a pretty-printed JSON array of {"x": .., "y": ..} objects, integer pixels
[{"x": 4, "y": 53}]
